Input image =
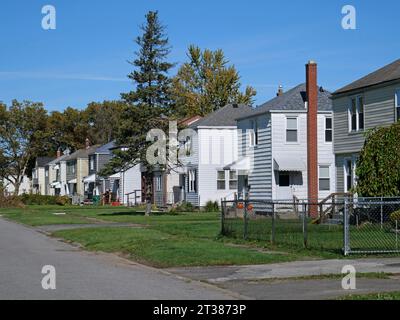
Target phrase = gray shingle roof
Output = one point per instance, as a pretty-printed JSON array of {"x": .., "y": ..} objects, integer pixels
[
  {"x": 223, "y": 117},
  {"x": 57, "y": 160},
  {"x": 105, "y": 148},
  {"x": 82, "y": 153},
  {"x": 388, "y": 73},
  {"x": 43, "y": 161},
  {"x": 294, "y": 99}
]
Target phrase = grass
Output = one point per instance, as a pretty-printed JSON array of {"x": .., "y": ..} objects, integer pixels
[
  {"x": 374, "y": 296},
  {"x": 186, "y": 239}
]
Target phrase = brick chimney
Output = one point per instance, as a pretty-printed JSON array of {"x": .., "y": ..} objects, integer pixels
[
  {"x": 58, "y": 153},
  {"x": 280, "y": 91},
  {"x": 87, "y": 143},
  {"x": 312, "y": 136}
]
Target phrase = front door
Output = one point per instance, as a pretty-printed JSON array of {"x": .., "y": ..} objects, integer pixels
[{"x": 284, "y": 190}]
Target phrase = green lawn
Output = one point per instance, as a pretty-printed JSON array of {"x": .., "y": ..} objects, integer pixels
[{"x": 185, "y": 239}]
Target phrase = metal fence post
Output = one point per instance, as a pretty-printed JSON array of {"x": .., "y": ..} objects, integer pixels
[
  {"x": 305, "y": 235},
  {"x": 273, "y": 224},
  {"x": 245, "y": 220},
  {"x": 222, "y": 218},
  {"x": 381, "y": 213},
  {"x": 346, "y": 228}
]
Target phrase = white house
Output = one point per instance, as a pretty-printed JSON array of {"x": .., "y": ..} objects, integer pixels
[
  {"x": 213, "y": 145},
  {"x": 25, "y": 186},
  {"x": 285, "y": 145}
]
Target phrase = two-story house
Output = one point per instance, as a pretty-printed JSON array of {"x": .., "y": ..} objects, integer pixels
[
  {"x": 285, "y": 145},
  {"x": 206, "y": 152},
  {"x": 77, "y": 168},
  {"x": 364, "y": 104},
  {"x": 56, "y": 175},
  {"x": 39, "y": 175}
]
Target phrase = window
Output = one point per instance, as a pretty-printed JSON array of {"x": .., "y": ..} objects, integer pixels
[
  {"x": 91, "y": 163},
  {"x": 328, "y": 129},
  {"x": 221, "y": 180},
  {"x": 356, "y": 114},
  {"x": 188, "y": 146},
  {"x": 158, "y": 183},
  {"x": 324, "y": 178},
  {"x": 349, "y": 168},
  {"x": 397, "y": 104},
  {"x": 284, "y": 179},
  {"x": 46, "y": 173},
  {"x": 233, "y": 180},
  {"x": 253, "y": 133},
  {"x": 192, "y": 181},
  {"x": 291, "y": 129},
  {"x": 71, "y": 168}
]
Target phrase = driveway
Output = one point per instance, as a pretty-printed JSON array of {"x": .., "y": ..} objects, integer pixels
[{"x": 83, "y": 275}]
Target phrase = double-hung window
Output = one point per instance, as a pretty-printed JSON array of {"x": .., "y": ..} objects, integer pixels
[
  {"x": 324, "y": 178},
  {"x": 291, "y": 129},
  {"x": 356, "y": 114},
  {"x": 253, "y": 133},
  {"x": 158, "y": 183},
  {"x": 328, "y": 129},
  {"x": 397, "y": 104},
  {"x": 192, "y": 181},
  {"x": 233, "y": 180},
  {"x": 221, "y": 180}
]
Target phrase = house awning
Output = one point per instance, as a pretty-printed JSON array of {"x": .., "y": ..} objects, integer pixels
[
  {"x": 90, "y": 179},
  {"x": 72, "y": 181},
  {"x": 116, "y": 176},
  {"x": 289, "y": 164},
  {"x": 56, "y": 185},
  {"x": 243, "y": 166}
]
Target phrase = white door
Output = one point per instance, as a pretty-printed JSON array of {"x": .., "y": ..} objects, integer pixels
[{"x": 284, "y": 187}]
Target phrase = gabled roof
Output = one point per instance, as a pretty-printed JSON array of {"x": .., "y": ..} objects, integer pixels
[
  {"x": 82, "y": 153},
  {"x": 43, "y": 161},
  {"x": 57, "y": 160},
  {"x": 105, "y": 148},
  {"x": 223, "y": 117},
  {"x": 388, "y": 73},
  {"x": 294, "y": 99}
]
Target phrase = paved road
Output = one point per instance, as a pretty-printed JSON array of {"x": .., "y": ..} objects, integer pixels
[{"x": 82, "y": 275}]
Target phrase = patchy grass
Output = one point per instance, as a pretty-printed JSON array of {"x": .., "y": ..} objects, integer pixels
[
  {"x": 374, "y": 296},
  {"x": 162, "y": 249}
]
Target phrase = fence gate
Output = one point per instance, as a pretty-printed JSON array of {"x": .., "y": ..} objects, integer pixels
[{"x": 371, "y": 225}]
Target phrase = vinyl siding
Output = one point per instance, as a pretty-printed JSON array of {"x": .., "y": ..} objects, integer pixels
[{"x": 379, "y": 111}]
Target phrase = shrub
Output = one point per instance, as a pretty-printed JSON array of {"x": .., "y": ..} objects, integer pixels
[
  {"x": 395, "y": 217},
  {"x": 184, "y": 207},
  {"x": 211, "y": 206},
  {"x": 10, "y": 201},
  {"x": 38, "y": 199}
]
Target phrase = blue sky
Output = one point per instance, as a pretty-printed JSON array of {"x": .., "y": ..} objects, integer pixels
[{"x": 269, "y": 42}]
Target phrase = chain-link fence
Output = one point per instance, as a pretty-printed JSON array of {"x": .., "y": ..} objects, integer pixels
[
  {"x": 344, "y": 225},
  {"x": 372, "y": 225}
]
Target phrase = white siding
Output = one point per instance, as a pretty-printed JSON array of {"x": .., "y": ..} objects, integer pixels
[
  {"x": 217, "y": 148},
  {"x": 130, "y": 181}
]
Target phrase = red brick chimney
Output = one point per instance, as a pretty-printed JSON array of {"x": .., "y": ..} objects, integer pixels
[
  {"x": 312, "y": 136},
  {"x": 58, "y": 153},
  {"x": 87, "y": 143}
]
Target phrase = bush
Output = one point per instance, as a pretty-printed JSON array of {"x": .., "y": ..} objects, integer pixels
[
  {"x": 211, "y": 206},
  {"x": 10, "y": 201},
  {"x": 38, "y": 199},
  {"x": 395, "y": 217},
  {"x": 184, "y": 207}
]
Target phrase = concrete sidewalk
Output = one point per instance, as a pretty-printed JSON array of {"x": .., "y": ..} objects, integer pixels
[{"x": 288, "y": 270}]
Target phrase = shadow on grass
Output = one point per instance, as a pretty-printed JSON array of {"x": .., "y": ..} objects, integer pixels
[{"x": 137, "y": 213}]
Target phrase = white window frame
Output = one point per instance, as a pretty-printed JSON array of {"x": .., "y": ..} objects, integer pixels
[
  {"x": 158, "y": 183},
  {"x": 91, "y": 163},
  {"x": 325, "y": 129},
  {"x": 219, "y": 180},
  {"x": 353, "y": 161},
  {"x": 192, "y": 181},
  {"x": 329, "y": 178},
  {"x": 396, "y": 103},
  {"x": 297, "y": 129},
  {"x": 253, "y": 133},
  {"x": 233, "y": 180},
  {"x": 350, "y": 110}
]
